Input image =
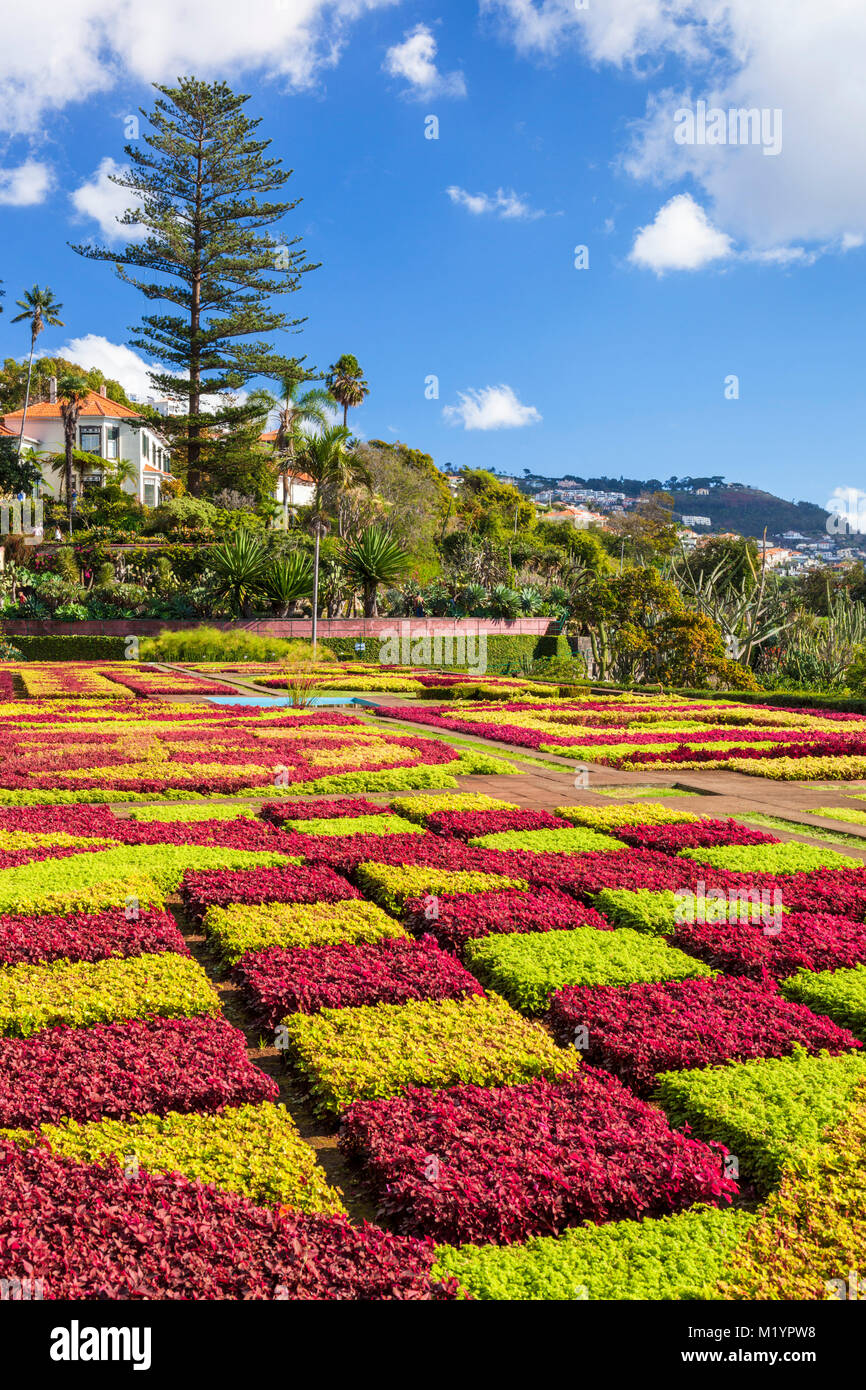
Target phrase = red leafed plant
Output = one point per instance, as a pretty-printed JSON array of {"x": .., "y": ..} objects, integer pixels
[
  {"x": 455, "y": 919},
  {"x": 293, "y": 884},
  {"x": 772, "y": 950}
]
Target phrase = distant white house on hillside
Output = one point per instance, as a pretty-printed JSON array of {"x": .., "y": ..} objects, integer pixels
[{"x": 106, "y": 429}]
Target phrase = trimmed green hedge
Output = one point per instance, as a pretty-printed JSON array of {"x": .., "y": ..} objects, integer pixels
[
  {"x": 72, "y": 647},
  {"x": 673, "y": 1257},
  {"x": 503, "y": 650}
]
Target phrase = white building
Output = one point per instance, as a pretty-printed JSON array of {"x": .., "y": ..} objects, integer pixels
[
  {"x": 106, "y": 429},
  {"x": 300, "y": 488},
  {"x": 697, "y": 521}
]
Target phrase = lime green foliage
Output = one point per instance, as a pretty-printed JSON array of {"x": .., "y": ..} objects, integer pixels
[
  {"x": 608, "y": 817},
  {"x": 847, "y": 813},
  {"x": 789, "y": 857},
  {"x": 88, "y": 992},
  {"x": 232, "y": 644},
  {"x": 650, "y": 911},
  {"x": 840, "y": 994},
  {"x": 224, "y": 811},
  {"x": 364, "y": 1053},
  {"x": 572, "y": 841},
  {"x": 239, "y": 928},
  {"x": 421, "y": 808},
  {"x": 48, "y": 882},
  {"x": 471, "y": 764},
  {"x": 673, "y": 1257},
  {"x": 252, "y": 1149},
  {"x": 356, "y": 825},
  {"x": 526, "y": 967},
  {"x": 767, "y": 1112},
  {"x": 392, "y": 885},
  {"x": 621, "y": 792},
  {"x": 385, "y": 780}
]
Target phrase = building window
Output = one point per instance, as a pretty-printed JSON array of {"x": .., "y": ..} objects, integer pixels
[
  {"x": 150, "y": 494},
  {"x": 145, "y": 446},
  {"x": 90, "y": 439},
  {"x": 112, "y": 442}
]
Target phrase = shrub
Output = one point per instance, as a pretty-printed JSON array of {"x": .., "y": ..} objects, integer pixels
[
  {"x": 242, "y": 927},
  {"x": 115, "y": 1070},
  {"x": 644, "y": 1029},
  {"x": 71, "y": 647},
  {"x": 785, "y": 858},
  {"x": 87, "y": 1232},
  {"x": 456, "y": 919},
  {"x": 575, "y": 840},
  {"x": 840, "y": 994},
  {"x": 768, "y": 1113},
  {"x": 104, "y": 991},
  {"x": 476, "y": 1164},
  {"x": 359, "y": 1054},
  {"x": 391, "y": 885},
  {"x": 668, "y": 1257},
  {"x": 279, "y": 982},
  {"x": 527, "y": 968},
  {"x": 255, "y": 1150}
]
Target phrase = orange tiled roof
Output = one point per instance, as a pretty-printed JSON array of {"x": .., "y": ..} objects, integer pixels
[{"x": 94, "y": 404}]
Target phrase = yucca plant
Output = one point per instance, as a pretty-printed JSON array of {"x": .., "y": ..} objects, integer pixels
[
  {"x": 373, "y": 558},
  {"x": 239, "y": 569},
  {"x": 286, "y": 581}
]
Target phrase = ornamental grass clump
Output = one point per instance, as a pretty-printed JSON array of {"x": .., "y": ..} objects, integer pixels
[{"x": 526, "y": 969}]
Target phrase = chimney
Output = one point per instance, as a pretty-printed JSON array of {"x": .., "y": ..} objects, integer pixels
[
  {"x": 103, "y": 390},
  {"x": 52, "y": 390}
]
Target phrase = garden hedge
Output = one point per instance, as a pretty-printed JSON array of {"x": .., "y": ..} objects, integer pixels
[
  {"x": 504, "y": 650},
  {"x": 70, "y": 647}
]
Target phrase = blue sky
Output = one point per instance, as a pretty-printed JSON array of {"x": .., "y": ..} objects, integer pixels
[{"x": 454, "y": 257}]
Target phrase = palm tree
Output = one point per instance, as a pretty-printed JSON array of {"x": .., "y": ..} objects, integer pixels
[
  {"x": 41, "y": 308},
  {"x": 374, "y": 558},
  {"x": 333, "y": 470},
  {"x": 345, "y": 382},
  {"x": 296, "y": 412},
  {"x": 72, "y": 392}
]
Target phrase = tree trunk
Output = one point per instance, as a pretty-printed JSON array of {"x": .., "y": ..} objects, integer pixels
[
  {"x": 193, "y": 471},
  {"x": 26, "y": 395},
  {"x": 370, "y": 600},
  {"x": 316, "y": 588},
  {"x": 68, "y": 442}
]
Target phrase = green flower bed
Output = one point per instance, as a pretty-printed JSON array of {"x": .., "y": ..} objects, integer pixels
[
  {"x": 605, "y": 817},
  {"x": 671, "y": 1257},
  {"x": 365, "y": 1053},
  {"x": 789, "y": 857},
  {"x": 159, "y": 814},
  {"x": 768, "y": 1113},
  {"x": 421, "y": 808},
  {"x": 239, "y": 928},
  {"x": 390, "y": 885},
  {"x": 571, "y": 841},
  {"x": 54, "y": 885},
  {"x": 356, "y": 825},
  {"x": 252, "y": 1149},
  {"x": 840, "y": 994},
  {"x": 647, "y": 910},
  {"x": 526, "y": 967},
  {"x": 105, "y": 991}
]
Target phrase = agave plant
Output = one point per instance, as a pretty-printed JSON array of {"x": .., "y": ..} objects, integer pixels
[
  {"x": 472, "y": 600},
  {"x": 503, "y": 602},
  {"x": 529, "y": 599},
  {"x": 286, "y": 581},
  {"x": 373, "y": 558},
  {"x": 239, "y": 569}
]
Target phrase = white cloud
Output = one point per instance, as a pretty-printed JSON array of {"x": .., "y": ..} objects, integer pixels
[
  {"x": 491, "y": 408},
  {"x": 55, "y": 54},
  {"x": 105, "y": 202},
  {"x": 787, "y": 55},
  {"x": 504, "y": 203},
  {"x": 415, "y": 60},
  {"x": 681, "y": 238},
  {"x": 114, "y": 359},
  {"x": 25, "y": 185}
]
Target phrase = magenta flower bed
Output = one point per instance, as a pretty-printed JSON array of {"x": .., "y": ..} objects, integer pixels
[
  {"x": 641, "y": 1030},
  {"x": 464, "y": 916},
  {"x": 292, "y": 884},
  {"x": 114, "y": 1070},
  {"x": 670, "y": 838},
  {"x": 88, "y": 1232},
  {"x": 504, "y": 1163},
  {"x": 244, "y": 833},
  {"x": 435, "y": 850},
  {"x": 840, "y": 892},
  {"x": 278, "y": 812},
  {"x": 466, "y": 824},
  {"x": 278, "y": 982},
  {"x": 626, "y": 868},
  {"x": 72, "y": 820},
  {"x": 808, "y": 941},
  {"x": 87, "y": 936}
]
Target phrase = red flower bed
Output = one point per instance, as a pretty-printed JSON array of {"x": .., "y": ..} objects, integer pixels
[
  {"x": 68, "y": 820},
  {"x": 505, "y": 1163},
  {"x": 88, "y": 1232},
  {"x": 840, "y": 892},
  {"x": 114, "y": 1070},
  {"x": 810, "y": 941},
  {"x": 464, "y": 916},
  {"x": 292, "y": 884},
  {"x": 640, "y": 1030},
  {"x": 626, "y": 868},
  {"x": 670, "y": 838},
  {"x": 280, "y": 811},
  {"x": 243, "y": 833},
  {"x": 278, "y": 982},
  {"x": 87, "y": 936},
  {"x": 466, "y": 824}
]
